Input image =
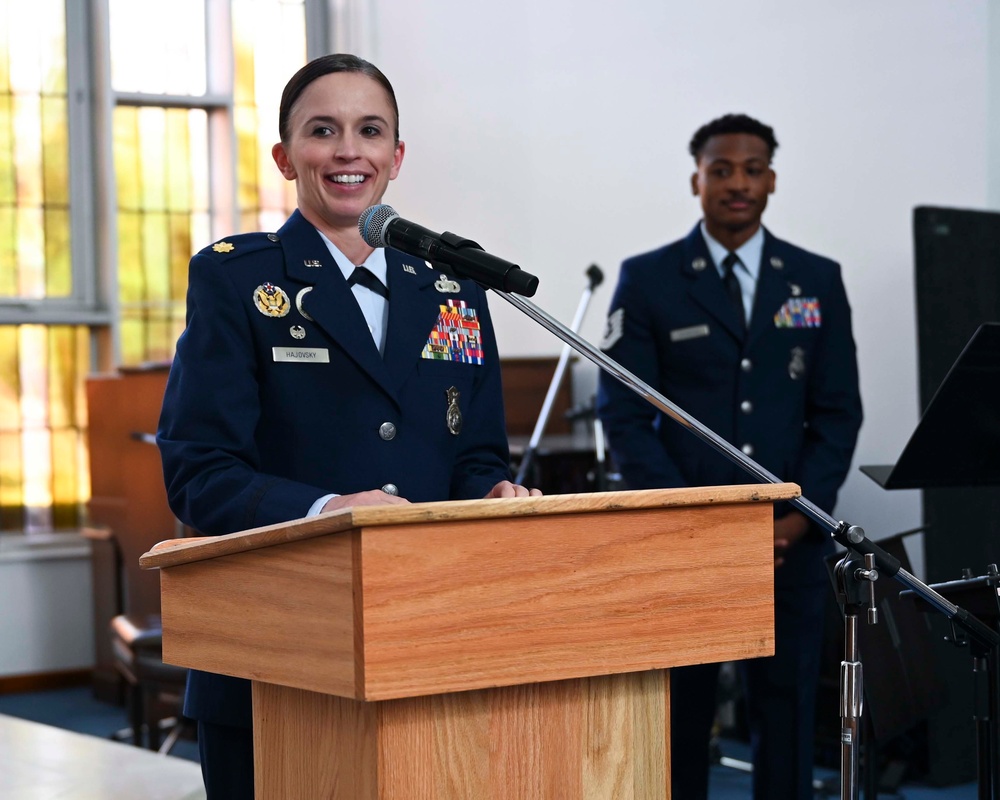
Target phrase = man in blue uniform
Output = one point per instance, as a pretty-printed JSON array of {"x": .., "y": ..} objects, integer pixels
[{"x": 752, "y": 336}]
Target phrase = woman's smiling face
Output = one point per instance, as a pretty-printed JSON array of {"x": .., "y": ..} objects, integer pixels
[{"x": 341, "y": 148}]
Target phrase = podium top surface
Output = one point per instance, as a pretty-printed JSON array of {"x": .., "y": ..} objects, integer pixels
[
  {"x": 957, "y": 442},
  {"x": 174, "y": 552}
]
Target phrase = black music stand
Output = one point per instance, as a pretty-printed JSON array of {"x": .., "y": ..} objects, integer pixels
[{"x": 957, "y": 444}]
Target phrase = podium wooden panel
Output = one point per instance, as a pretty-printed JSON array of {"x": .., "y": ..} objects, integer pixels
[{"x": 476, "y": 649}]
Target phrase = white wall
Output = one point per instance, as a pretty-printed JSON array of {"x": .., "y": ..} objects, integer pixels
[{"x": 555, "y": 134}]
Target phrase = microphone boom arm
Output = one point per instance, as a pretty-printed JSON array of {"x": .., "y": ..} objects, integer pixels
[{"x": 850, "y": 536}]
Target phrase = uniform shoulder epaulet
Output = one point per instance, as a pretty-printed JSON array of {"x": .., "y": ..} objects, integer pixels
[{"x": 240, "y": 245}]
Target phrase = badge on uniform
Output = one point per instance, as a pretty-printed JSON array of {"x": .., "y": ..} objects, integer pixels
[
  {"x": 446, "y": 285},
  {"x": 223, "y": 247},
  {"x": 692, "y": 332},
  {"x": 797, "y": 365},
  {"x": 300, "y": 298},
  {"x": 613, "y": 329},
  {"x": 453, "y": 414},
  {"x": 456, "y": 335},
  {"x": 799, "y": 312},
  {"x": 301, "y": 355},
  {"x": 271, "y": 300}
]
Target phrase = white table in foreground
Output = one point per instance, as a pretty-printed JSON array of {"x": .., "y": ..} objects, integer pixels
[{"x": 40, "y": 762}]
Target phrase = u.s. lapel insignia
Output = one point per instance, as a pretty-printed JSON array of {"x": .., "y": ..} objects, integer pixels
[
  {"x": 453, "y": 415},
  {"x": 297, "y": 331},
  {"x": 797, "y": 364},
  {"x": 446, "y": 285},
  {"x": 794, "y": 290},
  {"x": 777, "y": 263},
  {"x": 699, "y": 264},
  {"x": 298, "y": 301},
  {"x": 223, "y": 247},
  {"x": 312, "y": 263},
  {"x": 271, "y": 300},
  {"x": 408, "y": 268}
]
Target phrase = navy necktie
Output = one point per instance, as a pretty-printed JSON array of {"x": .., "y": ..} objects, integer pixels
[
  {"x": 364, "y": 277},
  {"x": 732, "y": 285}
]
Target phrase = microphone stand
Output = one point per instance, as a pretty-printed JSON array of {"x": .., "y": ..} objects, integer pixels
[
  {"x": 594, "y": 278},
  {"x": 850, "y": 536}
]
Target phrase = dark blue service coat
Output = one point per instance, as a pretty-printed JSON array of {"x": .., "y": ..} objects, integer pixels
[{"x": 278, "y": 395}]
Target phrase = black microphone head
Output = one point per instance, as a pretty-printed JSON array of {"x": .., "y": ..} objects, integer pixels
[{"x": 373, "y": 222}]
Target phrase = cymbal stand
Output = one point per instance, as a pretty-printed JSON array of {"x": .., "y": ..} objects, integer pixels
[{"x": 594, "y": 278}]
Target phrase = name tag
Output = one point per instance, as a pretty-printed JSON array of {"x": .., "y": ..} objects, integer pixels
[
  {"x": 683, "y": 334},
  {"x": 311, "y": 355}
]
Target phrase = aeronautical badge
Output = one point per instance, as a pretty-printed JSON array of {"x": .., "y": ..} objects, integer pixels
[
  {"x": 453, "y": 414},
  {"x": 613, "y": 329},
  {"x": 297, "y": 331},
  {"x": 797, "y": 365},
  {"x": 446, "y": 285},
  {"x": 223, "y": 247},
  {"x": 271, "y": 300},
  {"x": 799, "y": 312}
]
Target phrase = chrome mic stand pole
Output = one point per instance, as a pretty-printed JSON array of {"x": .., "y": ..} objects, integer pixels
[
  {"x": 850, "y": 536},
  {"x": 594, "y": 278},
  {"x": 851, "y": 582}
]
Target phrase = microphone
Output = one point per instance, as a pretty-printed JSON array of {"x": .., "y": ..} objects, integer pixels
[{"x": 381, "y": 226}]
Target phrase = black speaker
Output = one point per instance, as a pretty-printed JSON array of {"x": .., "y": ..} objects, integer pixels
[{"x": 957, "y": 278}]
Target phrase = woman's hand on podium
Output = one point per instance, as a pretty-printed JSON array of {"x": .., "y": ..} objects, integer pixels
[
  {"x": 372, "y": 497},
  {"x": 508, "y": 489}
]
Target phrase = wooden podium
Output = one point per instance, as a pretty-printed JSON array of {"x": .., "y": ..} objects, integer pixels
[{"x": 475, "y": 649}]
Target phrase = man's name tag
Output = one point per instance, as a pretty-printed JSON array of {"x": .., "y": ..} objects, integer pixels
[
  {"x": 308, "y": 355},
  {"x": 683, "y": 334}
]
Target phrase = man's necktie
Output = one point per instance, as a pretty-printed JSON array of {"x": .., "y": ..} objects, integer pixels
[
  {"x": 732, "y": 285},
  {"x": 364, "y": 277}
]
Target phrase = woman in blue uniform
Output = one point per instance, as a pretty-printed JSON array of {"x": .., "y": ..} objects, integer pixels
[{"x": 317, "y": 373}]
